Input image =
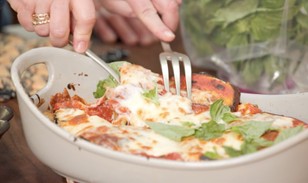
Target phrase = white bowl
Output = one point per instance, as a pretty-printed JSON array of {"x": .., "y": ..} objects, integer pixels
[{"x": 83, "y": 161}]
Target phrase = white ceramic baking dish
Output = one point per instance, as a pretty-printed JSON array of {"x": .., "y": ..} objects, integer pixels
[{"x": 82, "y": 161}]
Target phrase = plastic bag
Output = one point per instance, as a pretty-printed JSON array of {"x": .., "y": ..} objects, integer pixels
[{"x": 257, "y": 45}]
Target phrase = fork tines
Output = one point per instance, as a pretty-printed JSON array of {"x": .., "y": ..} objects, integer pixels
[{"x": 175, "y": 58}]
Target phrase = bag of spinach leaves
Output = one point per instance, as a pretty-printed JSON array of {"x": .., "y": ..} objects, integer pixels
[{"x": 255, "y": 44}]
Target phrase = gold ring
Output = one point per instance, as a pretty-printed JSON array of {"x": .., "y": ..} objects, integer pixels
[{"x": 40, "y": 18}]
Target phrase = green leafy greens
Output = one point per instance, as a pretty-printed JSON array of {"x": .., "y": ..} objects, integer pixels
[
  {"x": 250, "y": 131},
  {"x": 207, "y": 130},
  {"x": 102, "y": 86},
  {"x": 210, "y": 130},
  {"x": 287, "y": 133},
  {"x": 219, "y": 111},
  {"x": 212, "y": 26},
  {"x": 152, "y": 95},
  {"x": 109, "y": 82},
  {"x": 172, "y": 132}
]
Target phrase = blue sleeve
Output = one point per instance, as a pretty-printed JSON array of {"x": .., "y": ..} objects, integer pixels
[
  {"x": 6, "y": 16},
  {"x": 2, "y": 3}
]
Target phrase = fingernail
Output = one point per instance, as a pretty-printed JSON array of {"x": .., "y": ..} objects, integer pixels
[
  {"x": 169, "y": 34},
  {"x": 81, "y": 47}
]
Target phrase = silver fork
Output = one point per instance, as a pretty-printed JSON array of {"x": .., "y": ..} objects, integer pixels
[{"x": 175, "y": 58}]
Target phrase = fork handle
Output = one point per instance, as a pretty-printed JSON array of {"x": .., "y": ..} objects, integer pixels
[
  {"x": 100, "y": 62},
  {"x": 166, "y": 46}
]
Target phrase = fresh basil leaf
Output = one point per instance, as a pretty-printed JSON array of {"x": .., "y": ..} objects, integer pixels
[
  {"x": 188, "y": 124},
  {"x": 229, "y": 117},
  {"x": 305, "y": 6},
  {"x": 287, "y": 133},
  {"x": 102, "y": 86},
  {"x": 261, "y": 142},
  {"x": 248, "y": 146},
  {"x": 265, "y": 32},
  {"x": 172, "y": 132},
  {"x": 151, "y": 95},
  {"x": 232, "y": 152},
  {"x": 238, "y": 39},
  {"x": 272, "y": 4},
  {"x": 219, "y": 111},
  {"x": 252, "y": 129},
  {"x": 302, "y": 20},
  {"x": 212, "y": 155},
  {"x": 216, "y": 25},
  {"x": 235, "y": 11},
  {"x": 110, "y": 82},
  {"x": 116, "y": 65},
  {"x": 210, "y": 130}
]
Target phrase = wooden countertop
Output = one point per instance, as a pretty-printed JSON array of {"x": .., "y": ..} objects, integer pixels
[{"x": 17, "y": 162}]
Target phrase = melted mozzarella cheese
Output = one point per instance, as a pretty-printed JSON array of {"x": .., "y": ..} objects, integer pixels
[
  {"x": 66, "y": 114},
  {"x": 132, "y": 139},
  {"x": 171, "y": 109},
  {"x": 142, "y": 140},
  {"x": 202, "y": 97},
  {"x": 146, "y": 141},
  {"x": 277, "y": 121},
  {"x": 195, "y": 146},
  {"x": 138, "y": 76},
  {"x": 139, "y": 140}
]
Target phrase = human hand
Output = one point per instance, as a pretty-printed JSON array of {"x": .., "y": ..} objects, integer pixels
[
  {"x": 66, "y": 17},
  {"x": 112, "y": 27},
  {"x": 161, "y": 17}
]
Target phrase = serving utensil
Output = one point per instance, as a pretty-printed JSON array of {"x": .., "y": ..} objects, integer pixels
[
  {"x": 101, "y": 63},
  {"x": 175, "y": 58}
]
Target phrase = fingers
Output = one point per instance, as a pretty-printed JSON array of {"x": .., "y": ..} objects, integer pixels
[
  {"x": 102, "y": 27},
  {"x": 169, "y": 11},
  {"x": 131, "y": 31},
  {"x": 41, "y": 8},
  {"x": 119, "y": 7},
  {"x": 58, "y": 28},
  {"x": 104, "y": 31},
  {"x": 60, "y": 23},
  {"x": 122, "y": 29},
  {"x": 78, "y": 16},
  {"x": 83, "y": 22},
  {"x": 24, "y": 12},
  {"x": 148, "y": 14},
  {"x": 145, "y": 37}
]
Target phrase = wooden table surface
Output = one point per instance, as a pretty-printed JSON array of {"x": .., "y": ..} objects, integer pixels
[{"x": 17, "y": 162}]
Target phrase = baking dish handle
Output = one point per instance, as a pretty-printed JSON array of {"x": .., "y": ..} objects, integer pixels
[{"x": 64, "y": 67}]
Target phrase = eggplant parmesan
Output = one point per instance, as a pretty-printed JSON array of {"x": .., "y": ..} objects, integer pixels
[{"x": 138, "y": 116}]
